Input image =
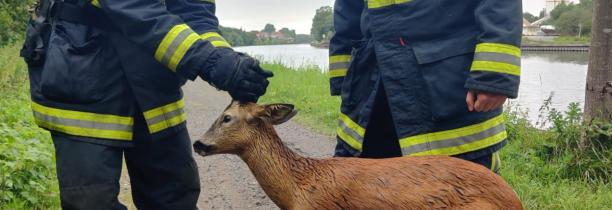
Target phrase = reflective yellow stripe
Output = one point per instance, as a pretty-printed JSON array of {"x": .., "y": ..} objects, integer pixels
[
  {"x": 339, "y": 58},
  {"x": 209, "y": 1},
  {"x": 498, "y": 67},
  {"x": 484, "y": 143},
  {"x": 174, "y": 46},
  {"x": 83, "y": 123},
  {"x": 349, "y": 140},
  {"x": 338, "y": 65},
  {"x": 86, "y": 132},
  {"x": 372, "y": 4},
  {"x": 499, "y": 48},
  {"x": 338, "y": 73},
  {"x": 96, "y": 3},
  {"x": 496, "y": 57},
  {"x": 357, "y": 131},
  {"x": 456, "y": 141},
  {"x": 165, "y": 116},
  {"x": 215, "y": 39},
  {"x": 352, "y": 125},
  {"x": 167, "y": 123},
  {"x": 495, "y": 162},
  {"x": 76, "y": 115},
  {"x": 449, "y": 134}
]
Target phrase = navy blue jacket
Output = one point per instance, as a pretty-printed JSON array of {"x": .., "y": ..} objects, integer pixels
[
  {"x": 134, "y": 58},
  {"x": 427, "y": 54}
]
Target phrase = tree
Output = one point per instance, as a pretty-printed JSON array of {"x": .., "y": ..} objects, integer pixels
[
  {"x": 573, "y": 20},
  {"x": 598, "y": 102},
  {"x": 542, "y": 13},
  {"x": 269, "y": 28},
  {"x": 322, "y": 24},
  {"x": 569, "y": 19},
  {"x": 288, "y": 33},
  {"x": 529, "y": 17}
]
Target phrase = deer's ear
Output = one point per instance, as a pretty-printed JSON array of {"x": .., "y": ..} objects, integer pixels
[{"x": 280, "y": 113}]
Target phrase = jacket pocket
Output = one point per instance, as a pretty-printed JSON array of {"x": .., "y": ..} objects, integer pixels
[{"x": 75, "y": 65}]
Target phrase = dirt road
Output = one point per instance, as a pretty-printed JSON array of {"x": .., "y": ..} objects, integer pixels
[{"x": 226, "y": 181}]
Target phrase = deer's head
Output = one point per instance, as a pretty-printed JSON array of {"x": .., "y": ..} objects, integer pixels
[{"x": 240, "y": 125}]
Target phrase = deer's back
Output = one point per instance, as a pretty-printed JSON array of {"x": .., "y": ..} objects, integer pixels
[{"x": 405, "y": 183}]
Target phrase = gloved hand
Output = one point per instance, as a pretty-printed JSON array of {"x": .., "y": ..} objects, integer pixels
[{"x": 238, "y": 74}]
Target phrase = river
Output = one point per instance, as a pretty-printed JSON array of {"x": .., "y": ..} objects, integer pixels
[{"x": 560, "y": 74}]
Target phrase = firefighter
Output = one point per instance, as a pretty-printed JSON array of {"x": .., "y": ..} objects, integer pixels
[
  {"x": 106, "y": 79},
  {"x": 421, "y": 77}
]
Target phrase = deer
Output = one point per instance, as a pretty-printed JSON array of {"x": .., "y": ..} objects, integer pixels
[{"x": 293, "y": 181}]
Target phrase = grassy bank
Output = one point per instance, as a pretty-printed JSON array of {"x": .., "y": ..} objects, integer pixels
[
  {"x": 27, "y": 167},
  {"x": 533, "y": 164},
  {"x": 561, "y": 40}
]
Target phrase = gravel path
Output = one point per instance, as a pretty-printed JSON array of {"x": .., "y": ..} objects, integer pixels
[{"x": 226, "y": 181}]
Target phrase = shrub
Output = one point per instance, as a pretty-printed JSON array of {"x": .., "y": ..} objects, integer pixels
[
  {"x": 13, "y": 17},
  {"x": 27, "y": 166}
]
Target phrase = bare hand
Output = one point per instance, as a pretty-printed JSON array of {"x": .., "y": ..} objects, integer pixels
[{"x": 483, "y": 101}]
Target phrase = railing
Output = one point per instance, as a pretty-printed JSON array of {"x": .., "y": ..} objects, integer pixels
[{"x": 563, "y": 47}]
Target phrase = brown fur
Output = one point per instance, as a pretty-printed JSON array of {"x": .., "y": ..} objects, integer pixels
[{"x": 296, "y": 182}]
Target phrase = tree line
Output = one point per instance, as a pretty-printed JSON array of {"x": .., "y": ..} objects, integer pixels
[
  {"x": 568, "y": 18},
  {"x": 14, "y": 15}
]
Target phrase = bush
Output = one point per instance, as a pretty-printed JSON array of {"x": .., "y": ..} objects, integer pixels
[
  {"x": 27, "y": 166},
  {"x": 13, "y": 17}
]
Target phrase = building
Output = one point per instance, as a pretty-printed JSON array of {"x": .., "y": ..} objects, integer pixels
[{"x": 530, "y": 30}]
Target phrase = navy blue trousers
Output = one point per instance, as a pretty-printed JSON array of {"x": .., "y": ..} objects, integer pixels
[{"x": 163, "y": 173}]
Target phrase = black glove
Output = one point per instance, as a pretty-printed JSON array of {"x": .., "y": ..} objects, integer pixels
[{"x": 237, "y": 73}]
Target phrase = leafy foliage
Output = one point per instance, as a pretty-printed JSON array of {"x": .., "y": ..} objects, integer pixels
[
  {"x": 323, "y": 24},
  {"x": 238, "y": 37},
  {"x": 27, "y": 167},
  {"x": 269, "y": 28},
  {"x": 572, "y": 19},
  {"x": 529, "y": 17},
  {"x": 13, "y": 17}
]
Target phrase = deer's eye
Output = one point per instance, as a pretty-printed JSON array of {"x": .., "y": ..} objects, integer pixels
[{"x": 227, "y": 118}]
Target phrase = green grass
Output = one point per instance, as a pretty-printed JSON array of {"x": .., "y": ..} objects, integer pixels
[
  {"x": 540, "y": 175},
  {"x": 308, "y": 89},
  {"x": 27, "y": 166},
  {"x": 585, "y": 39},
  {"x": 561, "y": 40}
]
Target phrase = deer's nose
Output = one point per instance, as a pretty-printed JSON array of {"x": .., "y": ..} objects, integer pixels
[{"x": 201, "y": 147}]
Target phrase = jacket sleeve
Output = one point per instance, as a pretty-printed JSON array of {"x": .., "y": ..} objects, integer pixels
[
  {"x": 165, "y": 36},
  {"x": 200, "y": 16},
  {"x": 347, "y": 20},
  {"x": 497, "y": 60}
]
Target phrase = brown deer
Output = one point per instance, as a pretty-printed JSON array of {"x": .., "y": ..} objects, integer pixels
[{"x": 296, "y": 182}]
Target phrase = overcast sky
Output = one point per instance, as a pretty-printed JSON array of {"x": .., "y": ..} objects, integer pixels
[{"x": 294, "y": 14}]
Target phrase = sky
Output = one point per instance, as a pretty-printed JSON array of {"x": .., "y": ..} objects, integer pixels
[{"x": 294, "y": 14}]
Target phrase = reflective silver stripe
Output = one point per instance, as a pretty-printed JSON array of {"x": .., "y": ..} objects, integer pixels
[
  {"x": 497, "y": 57},
  {"x": 350, "y": 131},
  {"x": 215, "y": 38},
  {"x": 454, "y": 141},
  {"x": 82, "y": 123},
  {"x": 165, "y": 116},
  {"x": 176, "y": 43},
  {"x": 341, "y": 65}
]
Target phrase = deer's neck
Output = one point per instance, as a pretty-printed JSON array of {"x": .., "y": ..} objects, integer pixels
[{"x": 276, "y": 167}]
